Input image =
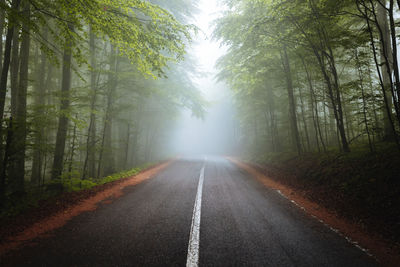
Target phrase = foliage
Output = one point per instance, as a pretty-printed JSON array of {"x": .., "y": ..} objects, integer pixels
[
  {"x": 35, "y": 195},
  {"x": 320, "y": 50},
  {"x": 108, "y": 115}
]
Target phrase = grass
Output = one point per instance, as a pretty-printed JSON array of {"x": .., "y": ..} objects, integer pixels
[{"x": 16, "y": 204}]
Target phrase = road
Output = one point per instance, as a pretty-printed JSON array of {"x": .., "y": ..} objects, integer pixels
[{"x": 241, "y": 223}]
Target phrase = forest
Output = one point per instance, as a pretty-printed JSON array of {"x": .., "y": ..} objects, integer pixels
[
  {"x": 316, "y": 87},
  {"x": 312, "y": 75},
  {"x": 89, "y": 88},
  {"x": 96, "y": 91}
]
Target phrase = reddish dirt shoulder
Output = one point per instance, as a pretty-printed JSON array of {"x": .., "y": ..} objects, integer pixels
[
  {"x": 384, "y": 251},
  {"x": 55, "y": 213}
]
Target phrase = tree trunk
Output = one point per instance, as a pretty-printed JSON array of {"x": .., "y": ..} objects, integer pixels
[
  {"x": 106, "y": 159},
  {"x": 387, "y": 112},
  {"x": 292, "y": 103},
  {"x": 72, "y": 152},
  {"x": 272, "y": 119},
  {"x": 2, "y": 23},
  {"x": 128, "y": 138},
  {"x": 304, "y": 120},
  {"x": 89, "y": 167},
  {"x": 17, "y": 167},
  {"x": 395, "y": 64},
  {"x": 39, "y": 101},
  {"x": 4, "y": 163},
  {"x": 364, "y": 103},
  {"x": 314, "y": 109},
  {"x": 338, "y": 110},
  {"x": 64, "y": 109},
  {"x": 386, "y": 66},
  {"x": 374, "y": 106},
  {"x": 333, "y": 94},
  {"x": 6, "y": 62},
  {"x": 14, "y": 71},
  {"x": 3, "y": 92}
]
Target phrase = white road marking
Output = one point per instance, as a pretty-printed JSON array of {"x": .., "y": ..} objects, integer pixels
[
  {"x": 348, "y": 239},
  {"x": 194, "y": 241}
]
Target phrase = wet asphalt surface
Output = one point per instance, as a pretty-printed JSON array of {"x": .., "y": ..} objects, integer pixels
[{"x": 242, "y": 224}]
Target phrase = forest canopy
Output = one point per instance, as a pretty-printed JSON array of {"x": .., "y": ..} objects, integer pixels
[
  {"x": 81, "y": 80},
  {"x": 312, "y": 75}
]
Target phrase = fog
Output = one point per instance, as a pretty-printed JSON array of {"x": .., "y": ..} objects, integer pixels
[{"x": 214, "y": 133}]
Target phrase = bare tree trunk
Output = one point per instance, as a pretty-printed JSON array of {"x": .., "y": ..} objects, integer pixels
[{"x": 64, "y": 108}]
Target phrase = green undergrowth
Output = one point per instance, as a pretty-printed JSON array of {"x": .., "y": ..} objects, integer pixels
[
  {"x": 34, "y": 196},
  {"x": 363, "y": 186},
  {"x": 76, "y": 184}
]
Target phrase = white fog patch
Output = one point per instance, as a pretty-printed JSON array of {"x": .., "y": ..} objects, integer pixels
[{"x": 216, "y": 132}]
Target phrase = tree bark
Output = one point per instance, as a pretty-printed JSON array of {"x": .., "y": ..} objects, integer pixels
[
  {"x": 106, "y": 159},
  {"x": 395, "y": 64},
  {"x": 385, "y": 52},
  {"x": 3, "y": 92},
  {"x": 6, "y": 61},
  {"x": 14, "y": 71},
  {"x": 39, "y": 101},
  {"x": 2, "y": 23},
  {"x": 314, "y": 108},
  {"x": 64, "y": 108},
  {"x": 364, "y": 102},
  {"x": 18, "y": 146},
  {"x": 128, "y": 138},
  {"x": 292, "y": 103},
  {"x": 387, "y": 112},
  {"x": 89, "y": 167},
  {"x": 304, "y": 121}
]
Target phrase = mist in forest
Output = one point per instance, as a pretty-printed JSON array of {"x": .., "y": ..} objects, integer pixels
[
  {"x": 213, "y": 134},
  {"x": 89, "y": 89},
  {"x": 215, "y": 131},
  {"x": 95, "y": 91}
]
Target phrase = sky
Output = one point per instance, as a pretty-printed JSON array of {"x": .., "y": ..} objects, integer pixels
[{"x": 212, "y": 135}]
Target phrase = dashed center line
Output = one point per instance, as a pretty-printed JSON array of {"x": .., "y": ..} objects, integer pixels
[{"x": 194, "y": 241}]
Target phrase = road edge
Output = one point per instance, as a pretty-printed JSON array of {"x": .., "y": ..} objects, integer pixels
[
  {"x": 374, "y": 246},
  {"x": 60, "y": 218}
]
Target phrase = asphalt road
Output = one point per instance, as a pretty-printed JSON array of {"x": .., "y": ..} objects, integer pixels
[{"x": 242, "y": 223}]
